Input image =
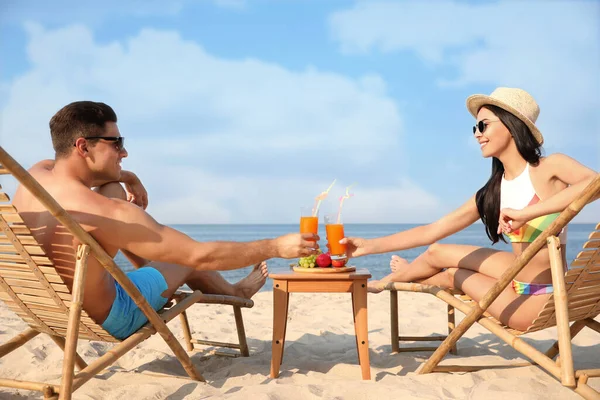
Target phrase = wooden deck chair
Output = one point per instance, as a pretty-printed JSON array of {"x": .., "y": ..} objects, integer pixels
[
  {"x": 576, "y": 299},
  {"x": 32, "y": 288}
]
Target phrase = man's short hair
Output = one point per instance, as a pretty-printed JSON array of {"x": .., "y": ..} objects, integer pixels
[{"x": 78, "y": 119}]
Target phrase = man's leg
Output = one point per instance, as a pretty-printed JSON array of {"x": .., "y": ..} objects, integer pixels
[
  {"x": 212, "y": 282},
  {"x": 209, "y": 282}
]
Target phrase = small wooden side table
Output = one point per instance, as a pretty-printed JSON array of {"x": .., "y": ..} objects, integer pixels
[{"x": 355, "y": 283}]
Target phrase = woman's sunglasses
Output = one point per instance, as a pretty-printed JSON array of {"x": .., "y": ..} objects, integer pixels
[
  {"x": 118, "y": 140},
  {"x": 481, "y": 126}
]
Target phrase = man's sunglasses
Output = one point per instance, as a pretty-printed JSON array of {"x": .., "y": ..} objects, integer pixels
[
  {"x": 119, "y": 141},
  {"x": 481, "y": 126}
]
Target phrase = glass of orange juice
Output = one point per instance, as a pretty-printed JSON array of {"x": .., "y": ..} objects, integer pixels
[
  {"x": 335, "y": 233},
  {"x": 309, "y": 223}
]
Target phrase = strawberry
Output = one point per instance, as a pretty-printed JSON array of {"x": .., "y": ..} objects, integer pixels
[
  {"x": 323, "y": 260},
  {"x": 339, "y": 263}
]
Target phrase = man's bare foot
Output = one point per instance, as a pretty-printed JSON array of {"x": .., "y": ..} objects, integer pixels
[
  {"x": 251, "y": 284},
  {"x": 376, "y": 286},
  {"x": 397, "y": 262}
]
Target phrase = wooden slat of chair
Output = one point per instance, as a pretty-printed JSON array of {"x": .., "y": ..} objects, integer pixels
[
  {"x": 40, "y": 292},
  {"x": 30, "y": 276},
  {"x": 20, "y": 229},
  {"x": 592, "y": 278},
  {"x": 59, "y": 288},
  {"x": 50, "y": 318},
  {"x": 61, "y": 321},
  {"x": 49, "y": 314},
  {"x": 585, "y": 291},
  {"x": 7, "y": 268},
  {"x": 40, "y": 300},
  {"x": 32, "y": 250},
  {"x": 593, "y": 266},
  {"x": 43, "y": 274},
  {"x": 584, "y": 281},
  {"x": 20, "y": 267},
  {"x": 38, "y": 260},
  {"x": 3, "y": 171},
  {"x": 37, "y": 307},
  {"x": 25, "y": 239},
  {"x": 12, "y": 217},
  {"x": 583, "y": 294}
]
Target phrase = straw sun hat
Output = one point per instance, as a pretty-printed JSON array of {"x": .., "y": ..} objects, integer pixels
[{"x": 516, "y": 101}]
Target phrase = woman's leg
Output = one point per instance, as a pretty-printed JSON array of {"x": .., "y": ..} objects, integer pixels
[
  {"x": 441, "y": 256},
  {"x": 437, "y": 257},
  {"x": 514, "y": 310}
]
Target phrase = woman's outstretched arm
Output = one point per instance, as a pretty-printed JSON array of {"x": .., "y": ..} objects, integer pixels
[{"x": 422, "y": 235}]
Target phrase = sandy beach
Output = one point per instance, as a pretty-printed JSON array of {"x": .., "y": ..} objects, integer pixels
[{"x": 320, "y": 360}]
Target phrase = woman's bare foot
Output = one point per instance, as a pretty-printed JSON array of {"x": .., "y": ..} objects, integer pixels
[
  {"x": 252, "y": 283},
  {"x": 397, "y": 262},
  {"x": 375, "y": 286}
]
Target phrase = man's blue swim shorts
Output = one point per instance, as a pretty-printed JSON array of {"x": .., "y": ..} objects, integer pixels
[{"x": 125, "y": 316}]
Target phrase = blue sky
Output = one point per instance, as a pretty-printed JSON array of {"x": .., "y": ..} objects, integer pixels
[{"x": 241, "y": 111}]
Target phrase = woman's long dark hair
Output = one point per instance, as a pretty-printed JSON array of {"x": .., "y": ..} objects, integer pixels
[{"x": 488, "y": 197}]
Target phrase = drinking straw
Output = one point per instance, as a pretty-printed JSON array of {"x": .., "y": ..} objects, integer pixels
[
  {"x": 344, "y": 197},
  {"x": 320, "y": 198}
]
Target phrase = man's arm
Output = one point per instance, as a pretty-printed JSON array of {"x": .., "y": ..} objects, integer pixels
[
  {"x": 136, "y": 192},
  {"x": 128, "y": 227}
]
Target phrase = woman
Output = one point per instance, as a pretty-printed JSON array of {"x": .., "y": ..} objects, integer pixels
[{"x": 524, "y": 194}]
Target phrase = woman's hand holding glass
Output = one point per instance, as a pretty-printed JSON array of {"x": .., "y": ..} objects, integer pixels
[{"x": 355, "y": 247}]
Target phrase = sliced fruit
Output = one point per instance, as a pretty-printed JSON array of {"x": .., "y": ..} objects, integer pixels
[{"x": 339, "y": 263}]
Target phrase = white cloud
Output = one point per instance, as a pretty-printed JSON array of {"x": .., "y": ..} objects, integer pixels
[
  {"x": 178, "y": 93},
  {"x": 551, "y": 49},
  {"x": 212, "y": 198},
  {"x": 215, "y": 140}
]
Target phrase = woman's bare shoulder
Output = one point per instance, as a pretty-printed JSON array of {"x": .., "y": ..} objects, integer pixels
[
  {"x": 553, "y": 159},
  {"x": 550, "y": 163},
  {"x": 564, "y": 168}
]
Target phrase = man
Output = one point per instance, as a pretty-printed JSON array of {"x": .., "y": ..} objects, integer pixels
[{"x": 89, "y": 149}]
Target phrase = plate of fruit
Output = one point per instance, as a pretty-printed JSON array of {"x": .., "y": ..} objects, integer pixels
[{"x": 322, "y": 264}]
